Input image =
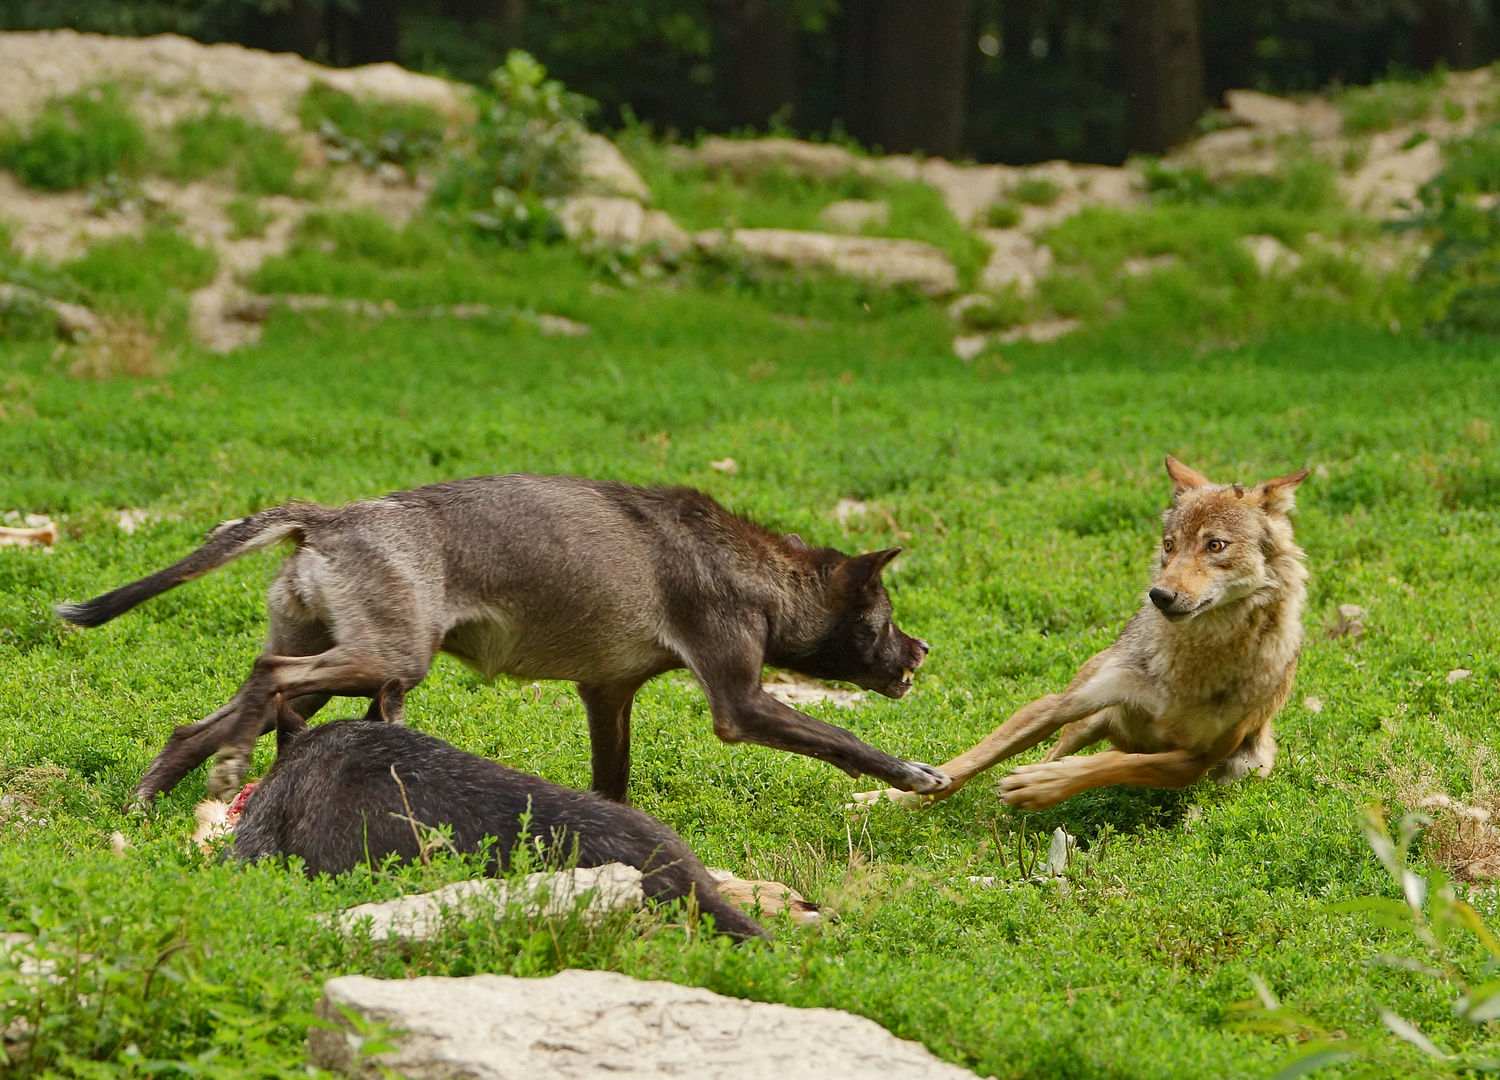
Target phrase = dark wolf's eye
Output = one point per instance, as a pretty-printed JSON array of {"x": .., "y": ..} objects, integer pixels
[
  {"x": 1166, "y": 544},
  {"x": 1217, "y": 545}
]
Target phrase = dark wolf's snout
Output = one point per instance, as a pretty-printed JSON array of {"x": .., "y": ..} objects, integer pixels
[{"x": 1162, "y": 598}]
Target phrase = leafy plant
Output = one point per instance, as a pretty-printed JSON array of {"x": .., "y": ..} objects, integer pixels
[
  {"x": 1002, "y": 215},
  {"x": 1432, "y": 917},
  {"x": 1037, "y": 190},
  {"x": 525, "y": 149},
  {"x": 76, "y": 139}
]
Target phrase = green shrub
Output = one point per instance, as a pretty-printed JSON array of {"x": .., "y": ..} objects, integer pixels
[
  {"x": 1301, "y": 183},
  {"x": 1037, "y": 190},
  {"x": 263, "y": 161},
  {"x": 1386, "y": 104},
  {"x": 527, "y": 139},
  {"x": 1073, "y": 296},
  {"x": 369, "y": 131},
  {"x": 77, "y": 139},
  {"x": 1002, "y": 215}
]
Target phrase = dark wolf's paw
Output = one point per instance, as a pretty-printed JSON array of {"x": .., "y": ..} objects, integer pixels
[{"x": 920, "y": 778}]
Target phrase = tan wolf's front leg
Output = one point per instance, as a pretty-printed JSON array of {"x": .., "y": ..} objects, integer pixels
[
  {"x": 1026, "y": 727},
  {"x": 1047, "y": 783}
]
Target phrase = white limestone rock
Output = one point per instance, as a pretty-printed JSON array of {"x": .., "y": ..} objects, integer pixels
[{"x": 601, "y": 1023}]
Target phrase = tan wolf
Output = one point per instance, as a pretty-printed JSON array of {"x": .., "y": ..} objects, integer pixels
[{"x": 1191, "y": 685}]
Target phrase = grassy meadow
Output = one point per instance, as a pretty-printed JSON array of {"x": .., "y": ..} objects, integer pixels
[{"x": 1024, "y": 488}]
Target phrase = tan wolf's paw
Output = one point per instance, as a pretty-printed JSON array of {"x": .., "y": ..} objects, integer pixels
[
  {"x": 226, "y": 775},
  {"x": 1036, "y": 787}
]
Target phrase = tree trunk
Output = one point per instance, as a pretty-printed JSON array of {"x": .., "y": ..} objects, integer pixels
[
  {"x": 920, "y": 58},
  {"x": 373, "y": 32},
  {"x": 1163, "y": 72},
  {"x": 760, "y": 45}
]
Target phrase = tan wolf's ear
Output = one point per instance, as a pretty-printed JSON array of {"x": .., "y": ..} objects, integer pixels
[
  {"x": 1183, "y": 477},
  {"x": 864, "y": 570},
  {"x": 1280, "y": 495}
]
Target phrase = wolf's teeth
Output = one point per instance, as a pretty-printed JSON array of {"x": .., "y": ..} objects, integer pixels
[{"x": 906, "y": 674}]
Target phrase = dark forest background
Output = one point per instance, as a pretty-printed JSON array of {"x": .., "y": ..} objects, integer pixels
[{"x": 995, "y": 80}]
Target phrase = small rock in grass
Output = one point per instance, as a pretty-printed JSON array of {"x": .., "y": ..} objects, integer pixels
[
  {"x": 1435, "y": 802},
  {"x": 1457, "y": 674},
  {"x": 1039, "y": 332},
  {"x": 725, "y": 465},
  {"x": 1312, "y": 704},
  {"x": 118, "y": 843},
  {"x": 1348, "y": 622},
  {"x": 558, "y": 326},
  {"x": 968, "y": 346},
  {"x": 846, "y": 509},
  {"x": 1271, "y": 255},
  {"x": 852, "y": 215}
]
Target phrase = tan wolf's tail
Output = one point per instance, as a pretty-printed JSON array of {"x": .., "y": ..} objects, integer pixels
[{"x": 225, "y": 544}]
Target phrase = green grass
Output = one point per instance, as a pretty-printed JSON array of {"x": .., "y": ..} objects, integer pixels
[
  {"x": 1385, "y": 104},
  {"x": 1026, "y": 503},
  {"x": 262, "y": 161},
  {"x": 76, "y": 140}
]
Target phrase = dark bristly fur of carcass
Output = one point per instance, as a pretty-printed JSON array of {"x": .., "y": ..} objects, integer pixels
[{"x": 332, "y": 801}]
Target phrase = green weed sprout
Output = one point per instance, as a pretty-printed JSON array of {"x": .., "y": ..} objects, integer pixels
[{"x": 1430, "y": 913}]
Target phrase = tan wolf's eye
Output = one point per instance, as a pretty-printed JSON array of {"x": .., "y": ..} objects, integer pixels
[
  {"x": 1217, "y": 545},
  {"x": 1166, "y": 544}
]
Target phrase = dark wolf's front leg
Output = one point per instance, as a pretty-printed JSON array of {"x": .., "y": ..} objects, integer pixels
[{"x": 729, "y": 669}]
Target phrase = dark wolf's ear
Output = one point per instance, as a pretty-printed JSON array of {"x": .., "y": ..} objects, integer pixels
[
  {"x": 1280, "y": 495},
  {"x": 862, "y": 571},
  {"x": 388, "y": 706},
  {"x": 1184, "y": 478},
  {"x": 795, "y": 541},
  {"x": 288, "y": 725}
]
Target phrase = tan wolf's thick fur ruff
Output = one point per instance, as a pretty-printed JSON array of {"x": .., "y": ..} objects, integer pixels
[{"x": 1191, "y": 686}]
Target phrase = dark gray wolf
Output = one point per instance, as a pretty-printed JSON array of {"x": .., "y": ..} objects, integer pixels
[
  {"x": 603, "y": 584},
  {"x": 1192, "y": 684},
  {"x": 332, "y": 799}
]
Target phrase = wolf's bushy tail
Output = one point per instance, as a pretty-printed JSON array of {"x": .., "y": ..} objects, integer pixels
[{"x": 226, "y": 543}]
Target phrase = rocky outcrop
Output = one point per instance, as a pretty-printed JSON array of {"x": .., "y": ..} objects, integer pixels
[
  {"x": 885, "y": 262},
  {"x": 267, "y": 87},
  {"x": 615, "y": 221},
  {"x": 600, "y": 1023}
]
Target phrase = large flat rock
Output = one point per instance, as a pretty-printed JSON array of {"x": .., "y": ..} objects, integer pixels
[
  {"x": 887, "y": 262},
  {"x": 601, "y": 1023}
]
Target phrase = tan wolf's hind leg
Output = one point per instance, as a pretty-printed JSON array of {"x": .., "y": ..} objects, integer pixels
[
  {"x": 1047, "y": 783},
  {"x": 1081, "y": 734}
]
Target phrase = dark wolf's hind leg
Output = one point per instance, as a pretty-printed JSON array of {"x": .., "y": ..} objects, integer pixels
[
  {"x": 609, "y": 706},
  {"x": 350, "y": 670},
  {"x": 190, "y": 745}
]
